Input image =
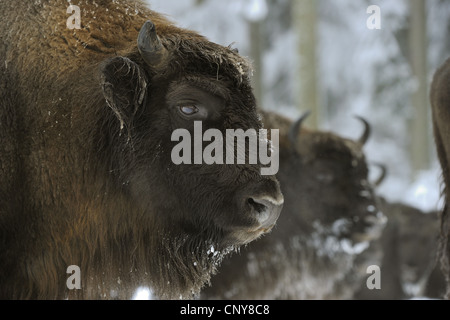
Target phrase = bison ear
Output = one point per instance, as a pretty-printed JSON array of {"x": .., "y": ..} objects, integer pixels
[{"x": 124, "y": 85}]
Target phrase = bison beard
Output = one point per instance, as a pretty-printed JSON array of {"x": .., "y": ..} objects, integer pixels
[
  {"x": 440, "y": 103},
  {"x": 86, "y": 176}
]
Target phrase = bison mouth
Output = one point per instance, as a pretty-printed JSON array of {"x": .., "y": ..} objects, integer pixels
[
  {"x": 240, "y": 225},
  {"x": 355, "y": 229},
  {"x": 265, "y": 212},
  {"x": 239, "y": 236},
  {"x": 251, "y": 212},
  {"x": 369, "y": 228},
  {"x": 254, "y": 234},
  {"x": 245, "y": 236},
  {"x": 347, "y": 235}
]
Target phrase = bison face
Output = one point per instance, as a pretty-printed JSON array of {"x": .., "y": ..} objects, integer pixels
[
  {"x": 168, "y": 85},
  {"x": 327, "y": 179}
]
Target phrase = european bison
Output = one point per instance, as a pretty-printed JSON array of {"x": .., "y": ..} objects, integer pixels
[
  {"x": 408, "y": 249},
  {"x": 330, "y": 215},
  {"x": 87, "y": 179},
  {"x": 440, "y": 105}
]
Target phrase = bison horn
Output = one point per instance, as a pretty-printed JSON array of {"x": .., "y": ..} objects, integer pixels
[
  {"x": 367, "y": 131},
  {"x": 295, "y": 128},
  {"x": 383, "y": 174},
  {"x": 150, "y": 46}
]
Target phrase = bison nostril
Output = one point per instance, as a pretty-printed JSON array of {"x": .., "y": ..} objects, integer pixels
[
  {"x": 266, "y": 210},
  {"x": 259, "y": 207}
]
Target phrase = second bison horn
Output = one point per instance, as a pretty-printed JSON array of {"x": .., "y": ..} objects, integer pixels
[
  {"x": 367, "y": 131},
  {"x": 383, "y": 174},
  {"x": 295, "y": 129},
  {"x": 150, "y": 46}
]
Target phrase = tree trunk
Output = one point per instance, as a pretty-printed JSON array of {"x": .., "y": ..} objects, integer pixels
[
  {"x": 420, "y": 132},
  {"x": 256, "y": 56},
  {"x": 305, "y": 23}
]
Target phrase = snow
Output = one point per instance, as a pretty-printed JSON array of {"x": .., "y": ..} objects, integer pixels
[
  {"x": 354, "y": 249},
  {"x": 423, "y": 192},
  {"x": 143, "y": 293},
  {"x": 255, "y": 10}
]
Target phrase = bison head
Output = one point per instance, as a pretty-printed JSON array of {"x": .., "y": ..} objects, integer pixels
[
  {"x": 192, "y": 214},
  {"x": 326, "y": 179}
]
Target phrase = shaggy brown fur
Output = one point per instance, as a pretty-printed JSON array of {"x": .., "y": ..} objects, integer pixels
[
  {"x": 440, "y": 102},
  {"x": 85, "y": 172}
]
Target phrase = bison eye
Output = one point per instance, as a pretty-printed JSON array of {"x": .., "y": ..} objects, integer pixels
[{"x": 189, "y": 110}]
